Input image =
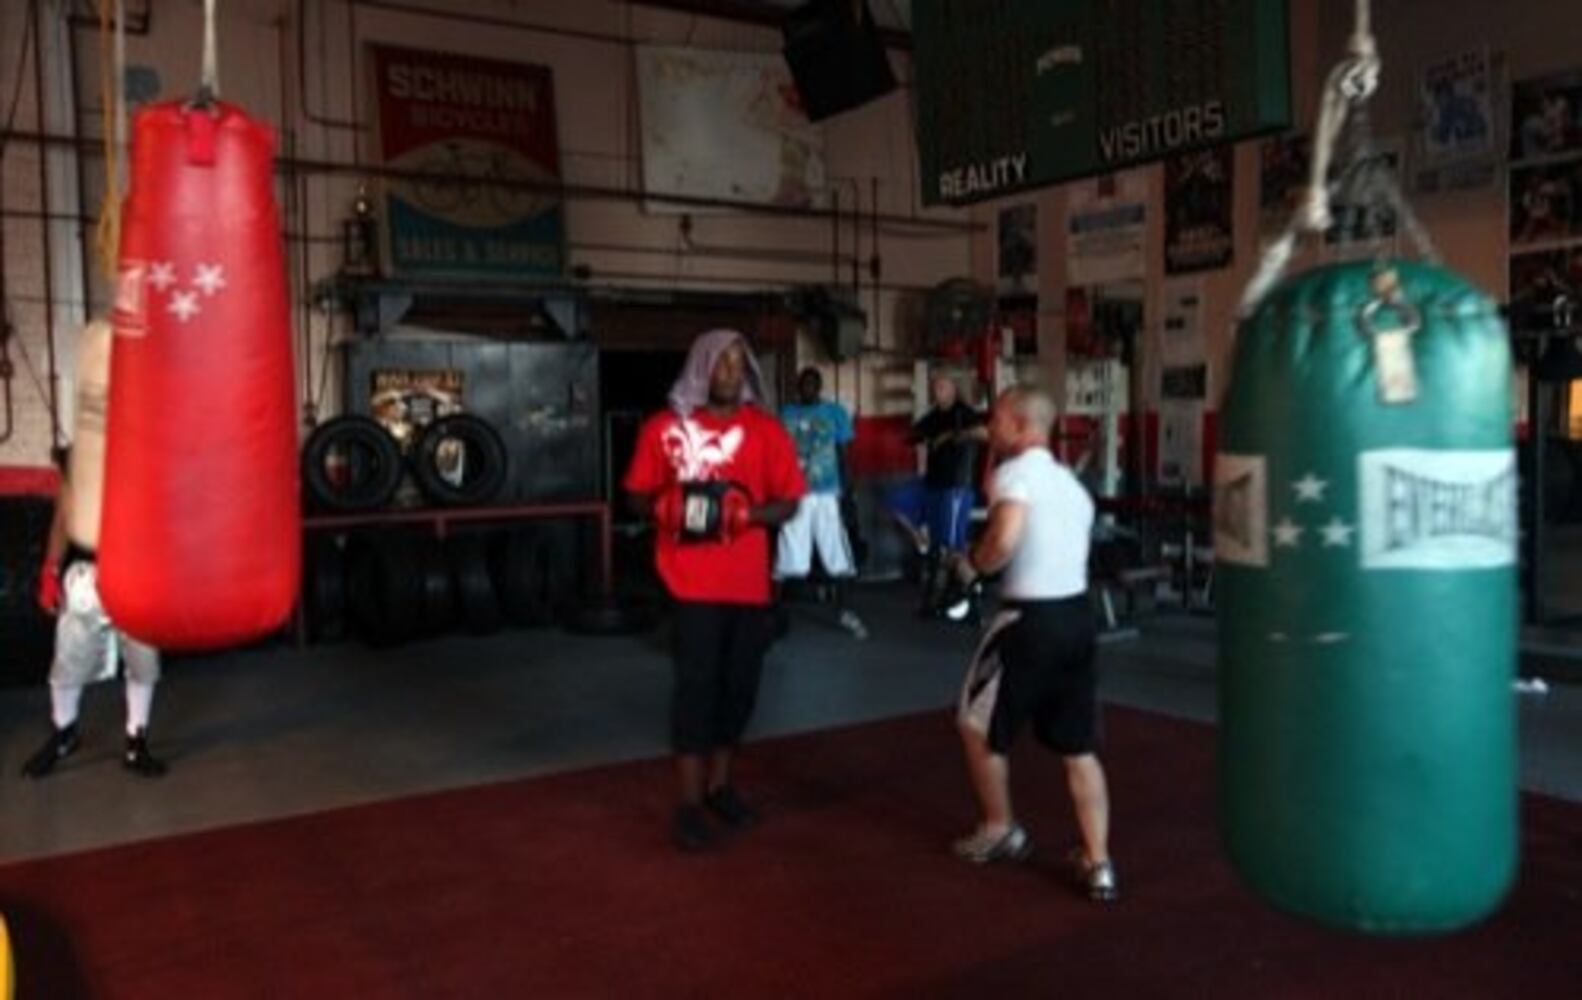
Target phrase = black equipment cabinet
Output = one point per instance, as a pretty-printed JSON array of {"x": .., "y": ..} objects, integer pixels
[{"x": 543, "y": 398}]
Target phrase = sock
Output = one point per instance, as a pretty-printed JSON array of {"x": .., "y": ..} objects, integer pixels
[
  {"x": 64, "y": 700},
  {"x": 139, "y": 705}
]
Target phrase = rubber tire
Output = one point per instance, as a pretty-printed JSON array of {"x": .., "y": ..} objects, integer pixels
[
  {"x": 439, "y": 593},
  {"x": 558, "y": 554},
  {"x": 386, "y": 588},
  {"x": 475, "y": 594},
  {"x": 518, "y": 569},
  {"x": 361, "y": 433},
  {"x": 482, "y": 440},
  {"x": 324, "y": 598},
  {"x": 609, "y": 618}
]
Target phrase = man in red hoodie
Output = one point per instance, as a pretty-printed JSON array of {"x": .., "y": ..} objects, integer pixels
[{"x": 715, "y": 472}]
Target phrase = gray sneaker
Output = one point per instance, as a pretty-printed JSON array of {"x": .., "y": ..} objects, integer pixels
[
  {"x": 851, "y": 623},
  {"x": 983, "y": 847},
  {"x": 1095, "y": 879}
]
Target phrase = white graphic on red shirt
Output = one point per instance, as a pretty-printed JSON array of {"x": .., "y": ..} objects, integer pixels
[{"x": 697, "y": 453}]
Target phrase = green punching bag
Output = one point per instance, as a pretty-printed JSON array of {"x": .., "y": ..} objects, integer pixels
[{"x": 1365, "y": 535}]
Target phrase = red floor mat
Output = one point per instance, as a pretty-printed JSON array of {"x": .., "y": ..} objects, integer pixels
[{"x": 566, "y": 886}]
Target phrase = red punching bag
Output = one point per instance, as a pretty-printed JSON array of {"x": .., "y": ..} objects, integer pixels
[{"x": 200, "y": 542}]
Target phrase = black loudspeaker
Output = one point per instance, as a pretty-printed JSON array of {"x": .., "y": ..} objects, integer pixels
[{"x": 836, "y": 57}]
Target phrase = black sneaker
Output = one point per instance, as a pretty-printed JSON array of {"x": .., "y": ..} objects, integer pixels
[
  {"x": 138, "y": 760},
  {"x": 1096, "y": 880},
  {"x": 982, "y": 847},
  {"x": 62, "y": 743},
  {"x": 729, "y": 807},
  {"x": 690, "y": 830}
]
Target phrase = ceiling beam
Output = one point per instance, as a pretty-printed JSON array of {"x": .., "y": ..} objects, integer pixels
[{"x": 759, "y": 13}]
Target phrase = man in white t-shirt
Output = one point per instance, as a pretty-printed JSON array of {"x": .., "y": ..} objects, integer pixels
[{"x": 1036, "y": 661}]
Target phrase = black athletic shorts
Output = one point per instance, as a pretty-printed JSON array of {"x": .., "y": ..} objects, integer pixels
[
  {"x": 719, "y": 657},
  {"x": 1038, "y": 668}
]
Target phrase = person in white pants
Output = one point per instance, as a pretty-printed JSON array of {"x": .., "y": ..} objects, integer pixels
[
  {"x": 822, "y": 430},
  {"x": 88, "y": 648}
]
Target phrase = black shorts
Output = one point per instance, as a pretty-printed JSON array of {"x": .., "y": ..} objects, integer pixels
[
  {"x": 719, "y": 656},
  {"x": 1038, "y": 668}
]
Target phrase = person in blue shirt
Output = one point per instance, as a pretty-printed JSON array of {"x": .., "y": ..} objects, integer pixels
[{"x": 822, "y": 431}]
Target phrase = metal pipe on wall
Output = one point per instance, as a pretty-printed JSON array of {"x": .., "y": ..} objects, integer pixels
[
  {"x": 586, "y": 192},
  {"x": 53, "y": 383},
  {"x": 82, "y": 177},
  {"x": 766, "y": 283},
  {"x": 138, "y": 22},
  {"x": 7, "y": 372},
  {"x": 491, "y": 21},
  {"x": 322, "y": 120}
]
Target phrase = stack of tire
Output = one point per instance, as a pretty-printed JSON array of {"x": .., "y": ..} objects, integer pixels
[{"x": 391, "y": 585}]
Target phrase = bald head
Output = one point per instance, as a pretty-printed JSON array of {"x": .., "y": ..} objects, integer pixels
[{"x": 1023, "y": 418}]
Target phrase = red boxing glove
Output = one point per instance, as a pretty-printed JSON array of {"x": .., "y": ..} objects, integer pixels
[
  {"x": 736, "y": 513},
  {"x": 670, "y": 511},
  {"x": 49, "y": 588}
]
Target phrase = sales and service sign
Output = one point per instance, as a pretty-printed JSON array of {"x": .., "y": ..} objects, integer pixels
[{"x": 484, "y": 131}]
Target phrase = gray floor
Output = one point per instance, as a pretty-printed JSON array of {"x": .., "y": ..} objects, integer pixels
[{"x": 267, "y": 734}]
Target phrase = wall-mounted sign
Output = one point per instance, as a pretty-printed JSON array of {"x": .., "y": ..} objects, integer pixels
[
  {"x": 726, "y": 125},
  {"x": 485, "y": 130},
  {"x": 1017, "y": 94}
]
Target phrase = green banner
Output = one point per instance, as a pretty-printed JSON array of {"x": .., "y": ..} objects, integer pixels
[{"x": 1018, "y": 94}]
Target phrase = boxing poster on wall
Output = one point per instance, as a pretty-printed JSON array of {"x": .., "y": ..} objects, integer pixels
[
  {"x": 1183, "y": 394},
  {"x": 1101, "y": 319},
  {"x": 1546, "y": 116},
  {"x": 1546, "y": 203},
  {"x": 1199, "y": 210},
  {"x": 1539, "y": 278},
  {"x": 1361, "y": 212},
  {"x": 1018, "y": 257},
  {"x": 1180, "y": 442},
  {"x": 728, "y": 125},
  {"x": 406, "y": 399},
  {"x": 1106, "y": 228},
  {"x": 1455, "y": 136},
  {"x": 1285, "y": 162},
  {"x": 1181, "y": 339},
  {"x": 485, "y": 131}
]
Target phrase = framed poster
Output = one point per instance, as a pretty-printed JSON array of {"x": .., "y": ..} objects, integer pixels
[
  {"x": 1546, "y": 116},
  {"x": 729, "y": 125},
  {"x": 1018, "y": 245},
  {"x": 1541, "y": 277},
  {"x": 486, "y": 131},
  {"x": 1284, "y": 165},
  {"x": 1366, "y": 219},
  {"x": 1546, "y": 203},
  {"x": 1199, "y": 210},
  {"x": 1106, "y": 229},
  {"x": 1457, "y": 127}
]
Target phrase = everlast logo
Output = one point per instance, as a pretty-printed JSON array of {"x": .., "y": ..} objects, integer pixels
[
  {"x": 1437, "y": 510},
  {"x": 1421, "y": 509}
]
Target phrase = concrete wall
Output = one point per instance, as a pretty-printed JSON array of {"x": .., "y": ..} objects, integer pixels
[{"x": 587, "y": 44}]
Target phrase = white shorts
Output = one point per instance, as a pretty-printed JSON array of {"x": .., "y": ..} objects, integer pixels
[
  {"x": 87, "y": 647},
  {"x": 817, "y": 522}
]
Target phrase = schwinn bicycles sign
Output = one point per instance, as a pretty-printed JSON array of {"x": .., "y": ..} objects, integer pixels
[{"x": 482, "y": 135}]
